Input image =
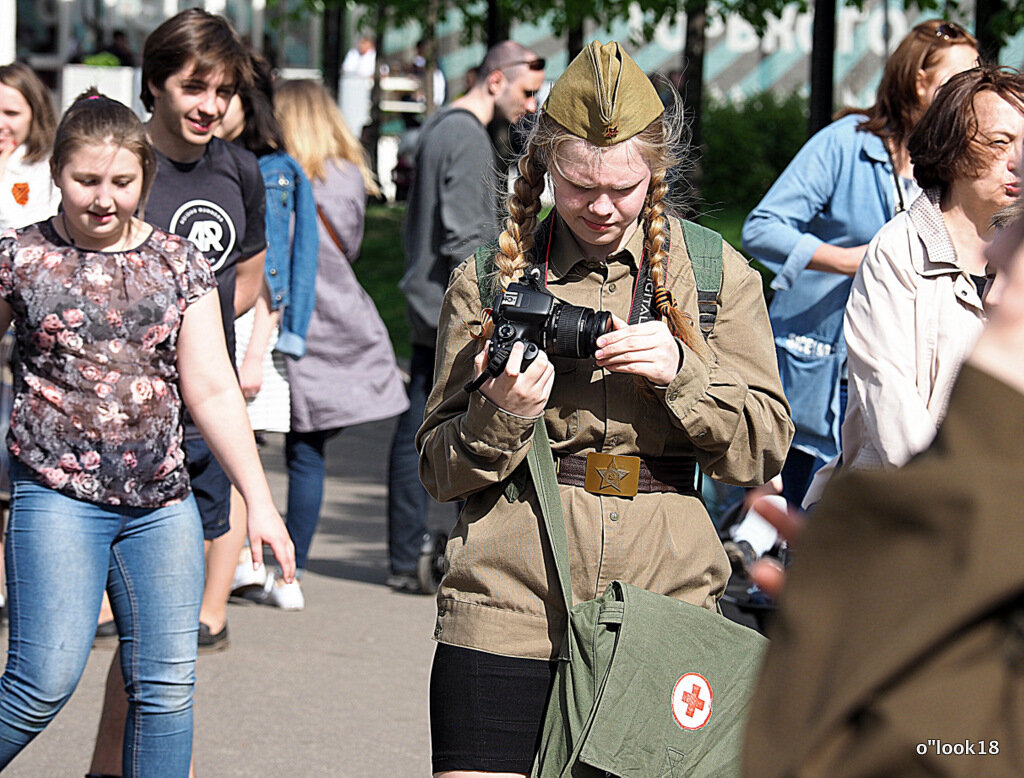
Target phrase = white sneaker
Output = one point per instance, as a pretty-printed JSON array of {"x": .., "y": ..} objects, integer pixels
[
  {"x": 286, "y": 596},
  {"x": 245, "y": 576}
]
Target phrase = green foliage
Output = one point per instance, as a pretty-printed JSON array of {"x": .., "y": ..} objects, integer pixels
[
  {"x": 380, "y": 267},
  {"x": 746, "y": 147},
  {"x": 560, "y": 15}
]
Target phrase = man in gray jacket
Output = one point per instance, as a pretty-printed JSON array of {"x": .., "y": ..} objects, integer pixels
[{"x": 453, "y": 209}]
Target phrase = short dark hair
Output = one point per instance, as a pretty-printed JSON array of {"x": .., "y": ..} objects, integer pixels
[
  {"x": 501, "y": 55},
  {"x": 944, "y": 145},
  {"x": 197, "y": 36},
  {"x": 95, "y": 118},
  {"x": 21, "y": 77}
]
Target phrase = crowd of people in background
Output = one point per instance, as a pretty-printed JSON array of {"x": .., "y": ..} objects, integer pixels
[{"x": 181, "y": 291}]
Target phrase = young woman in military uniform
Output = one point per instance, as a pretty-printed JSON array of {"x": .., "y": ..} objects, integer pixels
[{"x": 656, "y": 400}]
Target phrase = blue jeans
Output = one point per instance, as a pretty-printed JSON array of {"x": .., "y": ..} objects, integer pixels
[
  {"x": 408, "y": 501},
  {"x": 61, "y": 553},
  {"x": 800, "y": 467},
  {"x": 304, "y": 455}
]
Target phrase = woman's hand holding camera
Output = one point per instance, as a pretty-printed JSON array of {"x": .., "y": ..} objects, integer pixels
[
  {"x": 522, "y": 392},
  {"x": 647, "y": 350}
]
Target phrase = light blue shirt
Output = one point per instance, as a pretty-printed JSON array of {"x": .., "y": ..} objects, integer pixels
[{"x": 839, "y": 190}]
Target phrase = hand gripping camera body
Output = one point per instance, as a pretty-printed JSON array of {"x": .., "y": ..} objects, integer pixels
[{"x": 527, "y": 312}]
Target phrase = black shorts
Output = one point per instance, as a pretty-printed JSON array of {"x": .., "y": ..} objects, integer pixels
[
  {"x": 486, "y": 710},
  {"x": 211, "y": 488}
]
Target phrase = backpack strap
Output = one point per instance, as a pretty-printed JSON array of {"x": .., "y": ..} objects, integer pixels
[
  {"x": 704, "y": 247},
  {"x": 484, "y": 257}
]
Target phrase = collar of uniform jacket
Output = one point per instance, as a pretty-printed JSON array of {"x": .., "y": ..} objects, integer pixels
[{"x": 566, "y": 252}]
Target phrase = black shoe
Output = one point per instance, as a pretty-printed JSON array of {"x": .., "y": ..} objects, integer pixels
[
  {"x": 407, "y": 583},
  {"x": 209, "y": 642}
]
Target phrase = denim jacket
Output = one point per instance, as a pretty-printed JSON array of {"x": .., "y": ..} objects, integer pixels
[
  {"x": 291, "y": 256},
  {"x": 839, "y": 189}
]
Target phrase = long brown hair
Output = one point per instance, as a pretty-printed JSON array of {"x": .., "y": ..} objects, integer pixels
[
  {"x": 897, "y": 107},
  {"x": 44, "y": 119},
  {"x": 662, "y": 148},
  {"x": 315, "y": 131}
]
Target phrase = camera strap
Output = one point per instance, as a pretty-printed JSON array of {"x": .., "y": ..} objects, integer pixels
[{"x": 641, "y": 309}]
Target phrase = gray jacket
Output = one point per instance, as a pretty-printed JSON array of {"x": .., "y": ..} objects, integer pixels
[{"x": 452, "y": 210}]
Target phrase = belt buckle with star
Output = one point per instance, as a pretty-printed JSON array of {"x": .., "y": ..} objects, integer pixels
[{"x": 611, "y": 474}]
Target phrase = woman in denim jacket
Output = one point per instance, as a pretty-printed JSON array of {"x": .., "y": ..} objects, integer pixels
[
  {"x": 813, "y": 226},
  {"x": 275, "y": 330}
]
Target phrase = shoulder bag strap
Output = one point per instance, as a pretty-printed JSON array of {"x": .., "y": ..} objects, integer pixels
[
  {"x": 542, "y": 471},
  {"x": 330, "y": 231}
]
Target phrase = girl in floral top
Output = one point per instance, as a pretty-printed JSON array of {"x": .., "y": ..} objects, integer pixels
[{"x": 114, "y": 325}]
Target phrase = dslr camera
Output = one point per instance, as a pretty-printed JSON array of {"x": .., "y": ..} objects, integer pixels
[{"x": 528, "y": 312}]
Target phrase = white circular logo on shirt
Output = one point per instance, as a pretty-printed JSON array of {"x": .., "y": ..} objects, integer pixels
[
  {"x": 209, "y": 227},
  {"x": 691, "y": 701}
]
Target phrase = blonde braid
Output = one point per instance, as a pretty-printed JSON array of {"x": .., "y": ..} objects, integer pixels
[
  {"x": 656, "y": 227},
  {"x": 516, "y": 241}
]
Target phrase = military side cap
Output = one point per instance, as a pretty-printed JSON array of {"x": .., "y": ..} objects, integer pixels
[{"x": 603, "y": 96}]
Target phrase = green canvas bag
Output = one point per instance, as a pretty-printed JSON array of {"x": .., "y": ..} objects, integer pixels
[{"x": 646, "y": 686}]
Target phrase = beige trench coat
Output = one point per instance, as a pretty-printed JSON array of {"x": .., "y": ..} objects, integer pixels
[{"x": 913, "y": 316}]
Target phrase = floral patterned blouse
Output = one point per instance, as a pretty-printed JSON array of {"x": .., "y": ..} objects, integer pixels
[{"x": 97, "y": 411}]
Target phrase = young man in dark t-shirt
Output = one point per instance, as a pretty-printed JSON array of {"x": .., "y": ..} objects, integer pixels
[{"x": 210, "y": 192}]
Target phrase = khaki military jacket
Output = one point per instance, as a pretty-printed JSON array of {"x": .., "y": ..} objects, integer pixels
[
  {"x": 500, "y": 593},
  {"x": 899, "y": 645}
]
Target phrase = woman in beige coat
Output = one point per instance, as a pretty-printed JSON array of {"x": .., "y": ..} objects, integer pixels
[{"x": 915, "y": 309}]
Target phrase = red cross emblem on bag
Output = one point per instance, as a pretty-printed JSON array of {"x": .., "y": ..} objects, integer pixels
[{"x": 691, "y": 701}]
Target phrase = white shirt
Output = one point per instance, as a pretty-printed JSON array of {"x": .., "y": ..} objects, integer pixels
[
  {"x": 356, "y": 64},
  {"x": 27, "y": 194}
]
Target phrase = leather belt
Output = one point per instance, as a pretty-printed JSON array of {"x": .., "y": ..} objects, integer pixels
[{"x": 609, "y": 474}]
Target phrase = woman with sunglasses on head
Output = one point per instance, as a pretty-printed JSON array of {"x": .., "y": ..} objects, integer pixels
[
  {"x": 813, "y": 226},
  {"x": 915, "y": 308}
]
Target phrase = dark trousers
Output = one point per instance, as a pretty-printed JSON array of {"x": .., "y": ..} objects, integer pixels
[
  {"x": 800, "y": 466},
  {"x": 408, "y": 501}
]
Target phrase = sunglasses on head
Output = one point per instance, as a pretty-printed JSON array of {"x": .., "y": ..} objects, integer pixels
[
  {"x": 950, "y": 31},
  {"x": 533, "y": 64}
]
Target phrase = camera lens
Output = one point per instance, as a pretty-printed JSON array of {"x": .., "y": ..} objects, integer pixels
[{"x": 575, "y": 330}]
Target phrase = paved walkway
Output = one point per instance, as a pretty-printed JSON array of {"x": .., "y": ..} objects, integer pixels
[{"x": 339, "y": 689}]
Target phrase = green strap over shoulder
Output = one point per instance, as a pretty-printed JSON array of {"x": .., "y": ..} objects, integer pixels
[
  {"x": 545, "y": 481},
  {"x": 705, "y": 249}
]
